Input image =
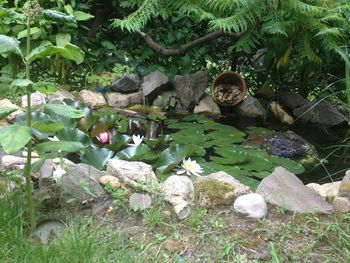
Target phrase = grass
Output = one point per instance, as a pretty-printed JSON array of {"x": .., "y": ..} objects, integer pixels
[{"x": 155, "y": 235}]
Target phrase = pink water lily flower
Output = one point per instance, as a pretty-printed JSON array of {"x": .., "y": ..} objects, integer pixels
[{"x": 103, "y": 137}]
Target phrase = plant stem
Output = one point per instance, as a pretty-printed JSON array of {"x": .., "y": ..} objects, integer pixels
[
  {"x": 27, "y": 168},
  {"x": 347, "y": 80}
]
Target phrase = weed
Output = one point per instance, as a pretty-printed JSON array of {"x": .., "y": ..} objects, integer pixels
[{"x": 153, "y": 217}]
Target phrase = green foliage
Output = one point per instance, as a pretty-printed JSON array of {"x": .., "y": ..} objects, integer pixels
[{"x": 14, "y": 137}]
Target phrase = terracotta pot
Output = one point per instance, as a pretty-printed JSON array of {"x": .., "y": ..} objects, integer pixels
[{"x": 232, "y": 78}]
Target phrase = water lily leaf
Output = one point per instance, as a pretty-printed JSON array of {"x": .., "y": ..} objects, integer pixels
[
  {"x": 160, "y": 142},
  {"x": 66, "y": 146},
  {"x": 4, "y": 112},
  {"x": 258, "y": 130},
  {"x": 74, "y": 135},
  {"x": 97, "y": 157},
  {"x": 136, "y": 153},
  {"x": 172, "y": 156},
  {"x": 65, "y": 111},
  {"x": 36, "y": 117},
  {"x": 87, "y": 122},
  {"x": 290, "y": 165},
  {"x": 47, "y": 125},
  {"x": 189, "y": 137},
  {"x": 118, "y": 142},
  {"x": 14, "y": 137}
]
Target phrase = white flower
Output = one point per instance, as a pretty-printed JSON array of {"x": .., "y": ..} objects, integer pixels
[
  {"x": 137, "y": 139},
  {"x": 57, "y": 174},
  {"x": 53, "y": 139},
  {"x": 190, "y": 167}
]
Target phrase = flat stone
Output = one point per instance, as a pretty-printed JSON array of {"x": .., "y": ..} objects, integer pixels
[
  {"x": 284, "y": 189},
  {"x": 341, "y": 204},
  {"x": 328, "y": 191},
  {"x": 47, "y": 231},
  {"x": 154, "y": 83},
  {"x": 119, "y": 100},
  {"x": 92, "y": 99},
  {"x": 132, "y": 174},
  {"x": 207, "y": 106},
  {"x": 252, "y": 205},
  {"x": 250, "y": 107},
  {"x": 112, "y": 180},
  {"x": 190, "y": 88},
  {"x": 59, "y": 96},
  {"x": 37, "y": 98},
  {"x": 126, "y": 83},
  {"x": 140, "y": 201},
  {"x": 344, "y": 188},
  {"x": 9, "y": 162}
]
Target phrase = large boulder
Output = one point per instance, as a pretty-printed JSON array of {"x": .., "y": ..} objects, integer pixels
[
  {"x": 6, "y": 103},
  {"x": 126, "y": 83},
  {"x": 137, "y": 175},
  {"x": 37, "y": 99},
  {"x": 344, "y": 188},
  {"x": 322, "y": 113},
  {"x": 293, "y": 100},
  {"x": 207, "y": 106},
  {"x": 217, "y": 189},
  {"x": 284, "y": 189},
  {"x": 93, "y": 99},
  {"x": 119, "y": 100},
  {"x": 59, "y": 96},
  {"x": 251, "y": 107},
  {"x": 179, "y": 191},
  {"x": 190, "y": 88},
  {"x": 154, "y": 83},
  {"x": 252, "y": 205}
]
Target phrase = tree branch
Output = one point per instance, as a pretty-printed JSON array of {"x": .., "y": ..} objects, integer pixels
[{"x": 184, "y": 48}]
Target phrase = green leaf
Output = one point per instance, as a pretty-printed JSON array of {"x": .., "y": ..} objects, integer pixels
[
  {"x": 33, "y": 31},
  {"x": 71, "y": 52},
  {"x": 47, "y": 126},
  {"x": 22, "y": 83},
  {"x": 73, "y": 134},
  {"x": 64, "y": 111},
  {"x": 14, "y": 137},
  {"x": 97, "y": 157},
  {"x": 290, "y": 165},
  {"x": 44, "y": 50},
  {"x": 82, "y": 16},
  {"x": 118, "y": 141},
  {"x": 4, "y": 112},
  {"x": 56, "y": 16},
  {"x": 137, "y": 153},
  {"x": 62, "y": 39},
  {"x": 9, "y": 45},
  {"x": 65, "y": 146}
]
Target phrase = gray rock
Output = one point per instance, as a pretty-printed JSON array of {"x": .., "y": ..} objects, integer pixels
[
  {"x": 218, "y": 188},
  {"x": 252, "y": 205},
  {"x": 80, "y": 183},
  {"x": 165, "y": 100},
  {"x": 119, "y": 100},
  {"x": 344, "y": 188},
  {"x": 322, "y": 113},
  {"x": 284, "y": 189},
  {"x": 140, "y": 201},
  {"x": 328, "y": 191},
  {"x": 6, "y": 103},
  {"x": 59, "y": 96},
  {"x": 47, "y": 231},
  {"x": 190, "y": 88},
  {"x": 179, "y": 191},
  {"x": 251, "y": 107},
  {"x": 341, "y": 204},
  {"x": 207, "y": 106},
  {"x": 126, "y": 83},
  {"x": 293, "y": 100},
  {"x": 37, "y": 98},
  {"x": 92, "y": 99},
  {"x": 133, "y": 174},
  {"x": 154, "y": 83}
]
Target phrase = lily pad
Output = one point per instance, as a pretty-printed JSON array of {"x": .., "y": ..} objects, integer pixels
[
  {"x": 97, "y": 157},
  {"x": 73, "y": 134}
]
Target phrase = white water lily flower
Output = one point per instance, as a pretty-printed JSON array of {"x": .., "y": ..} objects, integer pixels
[
  {"x": 53, "y": 139},
  {"x": 137, "y": 139},
  {"x": 57, "y": 174},
  {"x": 190, "y": 167}
]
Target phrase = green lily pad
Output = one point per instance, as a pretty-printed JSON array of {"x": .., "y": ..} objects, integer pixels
[
  {"x": 73, "y": 134},
  {"x": 290, "y": 165},
  {"x": 97, "y": 157},
  {"x": 118, "y": 142},
  {"x": 136, "y": 153}
]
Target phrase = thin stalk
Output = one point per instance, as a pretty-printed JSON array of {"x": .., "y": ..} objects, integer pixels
[
  {"x": 347, "y": 80},
  {"x": 27, "y": 168}
]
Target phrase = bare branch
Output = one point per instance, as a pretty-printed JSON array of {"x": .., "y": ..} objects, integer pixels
[{"x": 184, "y": 48}]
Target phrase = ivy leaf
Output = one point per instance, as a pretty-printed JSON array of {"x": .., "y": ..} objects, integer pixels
[{"x": 14, "y": 137}]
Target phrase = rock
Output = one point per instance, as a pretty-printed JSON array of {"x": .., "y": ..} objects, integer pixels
[
  {"x": 251, "y": 107},
  {"x": 293, "y": 100},
  {"x": 218, "y": 188},
  {"x": 108, "y": 179},
  {"x": 322, "y": 113},
  {"x": 280, "y": 113},
  {"x": 165, "y": 100},
  {"x": 179, "y": 191},
  {"x": 126, "y": 83},
  {"x": 37, "y": 98},
  {"x": 47, "y": 231},
  {"x": 190, "y": 88},
  {"x": 328, "y": 191},
  {"x": 6, "y": 186},
  {"x": 344, "y": 188},
  {"x": 6, "y": 103},
  {"x": 92, "y": 99},
  {"x": 46, "y": 171},
  {"x": 9, "y": 162},
  {"x": 207, "y": 106},
  {"x": 59, "y": 96},
  {"x": 253, "y": 205},
  {"x": 136, "y": 175},
  {"x": 341, "y": 204},
  {"x": 119, "y": 100},
  {"x": 80, "y": 183},
  {"x": 284, "y": 189},
  {"x": 139, "y": 201},
  {"x": 3, "y": 123},
  {"x": 266, "y": 92},
  {"x": 154, "y": 83}
]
